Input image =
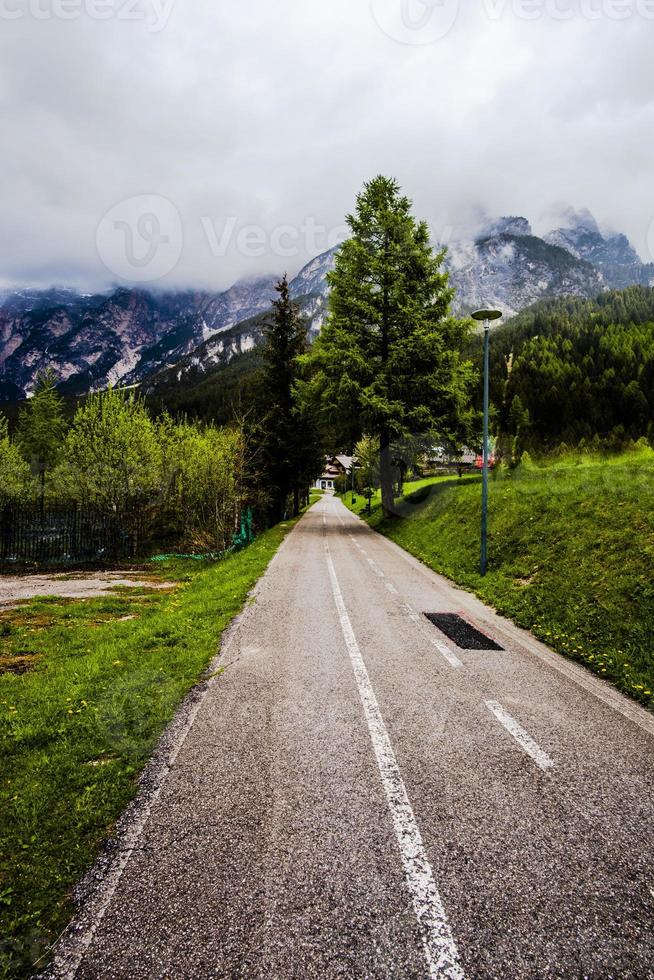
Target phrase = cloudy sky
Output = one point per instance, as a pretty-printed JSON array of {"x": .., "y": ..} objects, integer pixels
[{"x": 191, "y": 142}]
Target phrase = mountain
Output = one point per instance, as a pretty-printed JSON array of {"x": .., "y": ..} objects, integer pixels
[
  {"x": 221, "y": 348},
  {"x": 511, "y": 269},
  {"x": 134, "y": 335},
  {"x": 96, "y": 340},
  {"x": 612, "y": 255}
]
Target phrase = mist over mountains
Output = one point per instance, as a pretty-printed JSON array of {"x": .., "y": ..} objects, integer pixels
[{"x": 131, "y": 335}]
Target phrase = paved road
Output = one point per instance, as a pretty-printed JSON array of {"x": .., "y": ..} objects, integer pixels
[{"x": 357, "y": 797}]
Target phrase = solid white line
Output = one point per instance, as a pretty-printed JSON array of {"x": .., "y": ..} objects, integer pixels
[
  {"x": 440, "y": 948},
  {"x": 524, "y": 740}
]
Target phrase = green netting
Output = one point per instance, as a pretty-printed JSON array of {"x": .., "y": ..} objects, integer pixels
[{"x": 241, "y": 539}]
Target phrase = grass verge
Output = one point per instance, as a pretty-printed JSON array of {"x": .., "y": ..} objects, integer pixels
[
  {"x": 571, "y": 551},
  {"x": 86, "y": 688}
]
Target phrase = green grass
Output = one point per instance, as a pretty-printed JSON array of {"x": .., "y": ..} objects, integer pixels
[
  {"x": 571, "y": 552},
  {"x": 410, "y": 487},
  {"x": 84, "y": 695}
]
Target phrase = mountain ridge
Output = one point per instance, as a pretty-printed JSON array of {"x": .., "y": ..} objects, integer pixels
[{"x": 132, "y": 335}]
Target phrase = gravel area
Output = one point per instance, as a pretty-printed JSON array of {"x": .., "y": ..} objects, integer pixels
[{"x": 17, "y": 589}]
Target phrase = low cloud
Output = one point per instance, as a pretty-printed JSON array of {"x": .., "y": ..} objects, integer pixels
[{"x": 233, "y": 138}]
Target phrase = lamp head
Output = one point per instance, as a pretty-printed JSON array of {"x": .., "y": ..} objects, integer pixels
[{"x": 486, "y": 314}]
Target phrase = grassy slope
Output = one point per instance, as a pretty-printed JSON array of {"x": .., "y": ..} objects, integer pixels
[
  {"x": 571, "y": 555},
  {"x": 77, "y": 729}
]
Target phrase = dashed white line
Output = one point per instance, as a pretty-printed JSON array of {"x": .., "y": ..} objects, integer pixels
[
  {"x": 411, "y": 613},
  {"x": 524, "y": 740},
  {"x": 376, "y": 569},
  {"x": 440, "y": 949},
  {"x": 415, "y": 617},
  {"x": 449, "y": 655}
]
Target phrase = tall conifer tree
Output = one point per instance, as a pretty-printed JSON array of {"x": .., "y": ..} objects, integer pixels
[
  {"x": 290, "y": 453},
  {"x": 389, "y": 357}
]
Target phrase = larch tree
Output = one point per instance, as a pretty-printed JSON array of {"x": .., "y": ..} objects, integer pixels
[{"x": 389, "y": 359}]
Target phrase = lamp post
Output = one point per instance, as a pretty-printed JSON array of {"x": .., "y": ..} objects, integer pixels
[{"x": 485, "y": 315}]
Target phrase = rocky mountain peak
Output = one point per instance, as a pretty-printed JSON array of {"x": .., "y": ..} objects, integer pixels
[
  {"x": 129, "y": 335},
  {"x": 512, "y": 225}
]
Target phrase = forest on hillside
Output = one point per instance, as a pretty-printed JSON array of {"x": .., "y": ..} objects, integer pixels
[
  {"x": 563, "y": 371},
  {"x": 576, "y": 369}
]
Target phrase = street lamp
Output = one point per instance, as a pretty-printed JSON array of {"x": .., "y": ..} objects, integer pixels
[{"x": 486, "y": 316}]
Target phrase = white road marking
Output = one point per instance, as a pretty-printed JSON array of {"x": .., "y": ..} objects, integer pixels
[
  {"x": 411, "y": 613},
  {"x": 67, "y": 962},
  {"x": 375, "y": 567},
  {"x": 449, "y": 655},
  {"x": 524, "y": 740},
  {"x": 573, "y": 672},
  {"x": 415, "y": 617},
  {"x": 440, "y": 948}
]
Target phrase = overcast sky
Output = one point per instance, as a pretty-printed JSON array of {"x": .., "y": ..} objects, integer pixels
[{"x": 191, "y": 142}]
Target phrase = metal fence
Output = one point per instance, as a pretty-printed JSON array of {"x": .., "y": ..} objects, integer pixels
[{"x": 32, "y": 534}]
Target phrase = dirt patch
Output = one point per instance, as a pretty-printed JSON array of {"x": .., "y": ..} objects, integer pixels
[
  {"x": 17, "y": 589},
  {"x": 19, "y": 663}
]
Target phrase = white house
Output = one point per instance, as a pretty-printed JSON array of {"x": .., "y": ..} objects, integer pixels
[{"x": 335, "y": 466}]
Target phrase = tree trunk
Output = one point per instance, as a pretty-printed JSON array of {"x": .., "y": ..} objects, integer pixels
[
  {"x": 386, "y": 474},
  {"x": 385, "y": 469},
  {"x": 296, "y": 501}
]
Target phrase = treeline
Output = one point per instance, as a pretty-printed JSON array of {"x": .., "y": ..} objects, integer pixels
[
  {"x": 184, "y": 481},
  {"x": 573, "y": 370}
]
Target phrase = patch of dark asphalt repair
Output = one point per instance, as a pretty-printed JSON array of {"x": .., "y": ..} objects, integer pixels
[{"x": 461, "y": 632}]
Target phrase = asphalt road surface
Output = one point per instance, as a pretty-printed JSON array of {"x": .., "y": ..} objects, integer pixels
[{"x": 355, "y": 796}]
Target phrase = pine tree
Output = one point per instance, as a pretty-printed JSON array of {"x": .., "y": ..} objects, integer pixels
[
  {"x": 389, "y": 357},
  {"x": 290, "y": 457}
]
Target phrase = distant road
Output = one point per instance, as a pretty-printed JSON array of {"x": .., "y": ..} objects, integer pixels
[{"x": 356, "y": 796}]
